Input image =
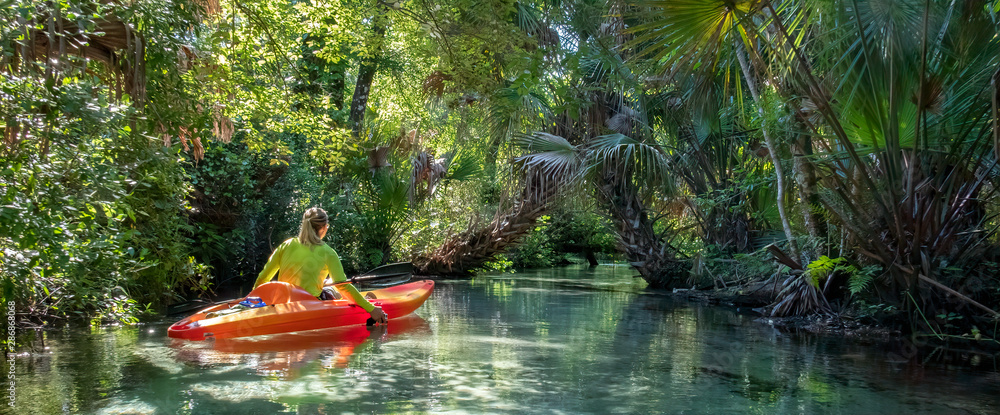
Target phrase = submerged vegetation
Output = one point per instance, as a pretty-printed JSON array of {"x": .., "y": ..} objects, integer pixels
[{"x": 844, "y": 152}]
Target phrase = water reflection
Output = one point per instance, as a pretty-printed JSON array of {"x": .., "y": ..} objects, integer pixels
[
  {"x": 284, "y": 354},
  {"x": 571, "y": 340}
]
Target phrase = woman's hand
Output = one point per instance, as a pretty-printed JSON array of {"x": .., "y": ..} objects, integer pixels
[{"x": 379, "y": 316}]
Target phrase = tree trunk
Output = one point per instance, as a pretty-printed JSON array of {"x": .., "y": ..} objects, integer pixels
[
  {"x": 775, "y": 156},
  {"x": 805, "y": 177},
  {"x": 471, "y": 249},
  {"x": 591, "y": 257},
  {"x": 366, "y": 75},
  {"x": 359, "y": 103},
  {"x": 646, "y": 251},
  {"x": 337, "y": 89}
]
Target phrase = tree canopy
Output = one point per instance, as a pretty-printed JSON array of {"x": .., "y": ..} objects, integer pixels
[{"x": 158, "y": 150}]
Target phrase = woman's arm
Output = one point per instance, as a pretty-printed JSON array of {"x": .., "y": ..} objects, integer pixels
[
  {"x": 271, "y": 266},
  {"x": 348, "y": 290}
]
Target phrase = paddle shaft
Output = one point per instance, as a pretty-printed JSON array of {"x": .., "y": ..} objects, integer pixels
[
  {"x": 387, "y": 271},
  {"x": 366, "y": 279}
]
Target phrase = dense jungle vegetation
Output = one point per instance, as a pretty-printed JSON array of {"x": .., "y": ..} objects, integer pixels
[{"x": 843, "y": 152}]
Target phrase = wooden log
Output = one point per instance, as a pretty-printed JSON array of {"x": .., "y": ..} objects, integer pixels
[{"x": 783, "y": 258}]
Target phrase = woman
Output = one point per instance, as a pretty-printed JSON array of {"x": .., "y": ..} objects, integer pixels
[{"x": 306, "y": 261}]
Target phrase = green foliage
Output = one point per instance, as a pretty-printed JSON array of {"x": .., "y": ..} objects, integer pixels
[
  {"x": 821, "y": 269},
  {"x": 536, "y": 250},
  {"x": 500, "y": 263},
  {"x": 99, "y": 219},
  {"x": 92, "y": 203},
  {"x": 226, "y": 215},
  {"x": 858, "y": 279},
  {"x": 875, "y": 310},
  {"x": 861, "y": 279},
  {"x": 91, "y": 223},
  {"x": 754, "y": 266},
  {"x": 572, "y": 229}
]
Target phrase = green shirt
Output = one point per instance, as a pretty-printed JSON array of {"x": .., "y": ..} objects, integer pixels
[{"x": 307, "y": 267}]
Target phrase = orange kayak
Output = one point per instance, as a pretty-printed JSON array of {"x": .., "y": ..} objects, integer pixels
[{"x": 289, "y": 308}]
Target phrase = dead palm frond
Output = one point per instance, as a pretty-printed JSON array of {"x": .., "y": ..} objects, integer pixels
[
  {"x": 428, "y": 173},
  {"x": 798, "y": 297},
  {"x": 211, "y": 7},
  {"x": 51, "y": 39}
]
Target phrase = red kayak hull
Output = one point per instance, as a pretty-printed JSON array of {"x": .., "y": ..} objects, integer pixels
[{"x": 291, "y": 309}]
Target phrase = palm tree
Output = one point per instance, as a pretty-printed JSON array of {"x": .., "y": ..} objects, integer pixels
[
  {"x": 896, "y": 102},
  {"x": 628, "y": 177},
  {"x": 603, "y": 141},
  {"x": 704, "y": 39},
  {"x": 909, "y": 122}
]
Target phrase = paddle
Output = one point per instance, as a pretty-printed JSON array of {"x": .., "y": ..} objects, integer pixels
[{"x": 401, "y": 271}]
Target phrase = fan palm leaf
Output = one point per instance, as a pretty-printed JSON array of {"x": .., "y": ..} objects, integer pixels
[
  {"x": 623, "y": 153},
  {"x": 691, "y": 31},
  {"x": 512, "y": 109},
  {"x": 551, "y": 155}
]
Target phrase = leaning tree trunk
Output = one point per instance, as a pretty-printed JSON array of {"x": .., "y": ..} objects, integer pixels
[
  {"x": 471, "y": 249},
  {"x": 653, "y": 257}
]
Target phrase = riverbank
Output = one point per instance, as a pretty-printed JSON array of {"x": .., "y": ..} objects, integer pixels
[{"x": 886, "y": 329}]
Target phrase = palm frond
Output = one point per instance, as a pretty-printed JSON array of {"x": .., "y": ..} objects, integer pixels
[
  {"x": 543, "y": 142},
  {"x": 553, "y": 156},
  {"x": 462, "y": 166},
  {"x": 514, "y": 109},
  {"x": 625, "y": 153},
  {"x": 527, "y": 18},
  {"x": 689, "y": 32}
]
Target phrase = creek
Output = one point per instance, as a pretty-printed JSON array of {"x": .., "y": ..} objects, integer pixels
[{"x": 569, "y": 340}]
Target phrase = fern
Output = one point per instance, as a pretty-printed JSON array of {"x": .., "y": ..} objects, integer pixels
[
  {"x": 860, "y": 280},
  {"x": 822, "y": 268}
]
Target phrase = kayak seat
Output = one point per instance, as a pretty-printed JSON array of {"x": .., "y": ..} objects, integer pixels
[
  {"x": 330, "y": 293},
  {"x": 277, "y": 292}
]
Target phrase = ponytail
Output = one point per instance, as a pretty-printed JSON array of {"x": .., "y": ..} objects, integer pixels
[{"x": 312, "y": 221}]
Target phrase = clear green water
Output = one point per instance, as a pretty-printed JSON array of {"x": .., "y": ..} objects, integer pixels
[{"x": 564, "y": 341}]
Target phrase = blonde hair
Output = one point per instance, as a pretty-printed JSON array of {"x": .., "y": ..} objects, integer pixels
[{"x": 312, "y": 221}]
